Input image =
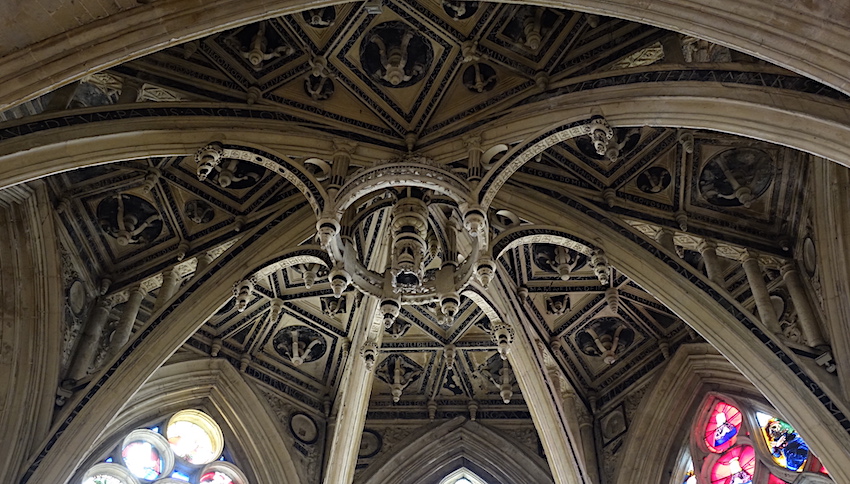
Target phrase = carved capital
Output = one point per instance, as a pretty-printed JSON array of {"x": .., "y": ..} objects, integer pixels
[{"x": 369, "y": 353}]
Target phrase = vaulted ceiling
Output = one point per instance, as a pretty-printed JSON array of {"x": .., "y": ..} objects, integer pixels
[{"x": 410, "y": 78}]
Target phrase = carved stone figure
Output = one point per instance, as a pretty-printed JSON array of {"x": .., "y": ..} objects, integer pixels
[{"x": 395, "y": 55}]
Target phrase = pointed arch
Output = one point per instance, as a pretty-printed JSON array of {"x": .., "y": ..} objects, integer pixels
[
  {"x": 671, "y": 404},
  {"x": 720, "y": 319},
  {"x": 67, "y": 443},
  {"x": 767, "y": 31},
  {"x": 52, "y": 143},
  {"x": 304, "y": 254},
  {"x": 215, "y": 386},
  {"x": 302, "y": 179},
  {"x": 462, "y": 473},
  {"x": 429, "y": 457},
  {"x": 538, "y": 234}
]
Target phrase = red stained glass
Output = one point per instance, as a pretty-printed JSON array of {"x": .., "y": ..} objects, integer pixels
[
  {"x": 817, "y": 466},
  {"x": 736, "y": 466},
  {"x": 722, "y": 428},
  {"x": 775, "y": 480},
  {"x": 216, "y": 477}
]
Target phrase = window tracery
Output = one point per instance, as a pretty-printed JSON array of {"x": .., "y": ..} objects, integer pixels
[
  {"x": 462, "y": 476},
  {"x": 186, "y": 448},
  {"x": 734, "y": 441}
]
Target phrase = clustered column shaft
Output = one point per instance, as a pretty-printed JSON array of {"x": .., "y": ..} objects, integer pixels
[
  {"x": 474, "y": 169},
  {"x": 708, "y": 250},
  {"x": 341, "y": 162},
  {"x": 759, "y": 290},
  {"x": 665, "y": 238},
  {"x": 87, "y": 346},
  {"x": 806, "y": 315},
  {"x": 170, "y": 280},
  {"x": 128, "y": 320}
]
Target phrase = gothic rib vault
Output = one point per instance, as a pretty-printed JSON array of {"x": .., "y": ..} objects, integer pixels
[{"x": 387, "y": 219}]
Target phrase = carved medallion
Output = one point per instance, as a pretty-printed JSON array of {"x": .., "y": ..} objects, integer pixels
[
  {"x": 605, "y": 337},
  {"x": 77, "y": 297},
  {"x": 394, "y": 54},
  {"x": 460, "y": 9},
  {"x": 304, "y": 428},
  {"x": 199, "y": 211},
  {"x": 320, "y": 18},
  {"x": 129, "y": 219},
  {"x": 654, "y": 180},
  {"x": 736, "y": 177},
  {"x": 479, "y": 77},
  {"x": 370, "y": 444},
  {"x": 810, "y": 258},
  {"x": 299, "y": 344}
]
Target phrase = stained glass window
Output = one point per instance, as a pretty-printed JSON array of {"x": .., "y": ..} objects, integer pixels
[
  {"x": 787, "y": 448},
  {"x": 142, "y": 459},
  {"x": 690, "y": 477},
  {"x": 735, "y": 466},
  {"x": 721, "y": 430},
  {"x": 735, "y": 442},
  {"x": 462, "y": 476},
  {"x": 193, "y": 453},
  {"x": 103, "y": 479},
  {"x": 216, "y": 477},
  {"x": 108, "y": 473},
  {"x": 195, "y": 437}
]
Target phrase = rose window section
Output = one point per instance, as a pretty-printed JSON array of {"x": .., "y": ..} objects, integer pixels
[
  {"x": 186, "y": 448},
  {"x": 742, "y": 442}
]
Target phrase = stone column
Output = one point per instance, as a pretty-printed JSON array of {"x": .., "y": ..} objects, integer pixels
[
  {"x": 759, "y": 289},
  {"x": 585, "y": 423},
  {"x": 129, "y": 90},
  {"x": 204, "y": 261},
  {"x": 473, "y": 147},
  {"x": 89, "y": 340},
  {"x": 665, "y": 238},
  {"x": 341, "y": 161},
  {"x": 708, "y": 250},
  {"x": 672, "y": 46},
  {"x": 806, "y": 315},
  {"x": 170, "y": 284},
  {"x": 354, "y": 392},
  {"x": 127, "y": 321}
]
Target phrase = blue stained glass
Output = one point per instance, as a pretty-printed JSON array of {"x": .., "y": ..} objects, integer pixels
[
  {"x": 180, "y": 475},
  {"x": 788, "y": 449}
]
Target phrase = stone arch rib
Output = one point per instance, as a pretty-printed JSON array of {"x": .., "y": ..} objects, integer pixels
[
  {"x": 431, "y": 456},
  {"x": 721, "y": 320}
]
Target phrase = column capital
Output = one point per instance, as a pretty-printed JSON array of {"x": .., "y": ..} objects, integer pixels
[
  {"x": 790, "y": 266},
  {"x": 472, "y": 142},
  {"x": 343, "y": 146},
  {"x": 749, "y": 255},
  {"x": 706, "y": 244},
  {"x": 584, "y": 419}
]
